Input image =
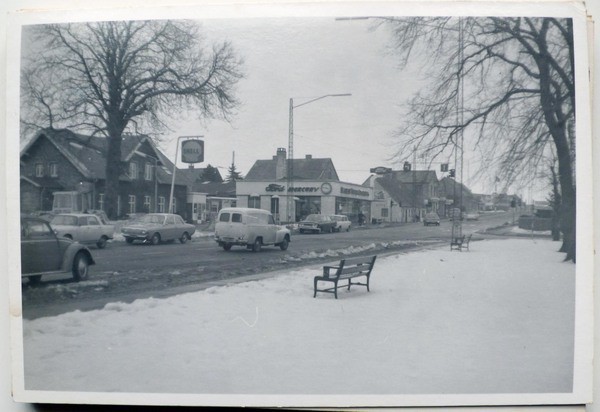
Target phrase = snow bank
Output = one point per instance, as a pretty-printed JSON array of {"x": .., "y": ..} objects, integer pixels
[{"x": 497, "y": 319}]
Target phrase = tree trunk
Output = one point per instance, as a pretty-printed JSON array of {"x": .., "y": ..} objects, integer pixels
[
  {"x": 557, "y": 126},
  {"x": 113, "y": 170}
]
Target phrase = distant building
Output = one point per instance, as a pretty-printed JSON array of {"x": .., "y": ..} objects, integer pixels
[
  {"x": 404, "y": 196},
  {"x": 60, "y": 160}
]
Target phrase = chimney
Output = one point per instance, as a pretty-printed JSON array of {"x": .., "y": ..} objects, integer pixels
[
  {"x": 308, "y": 156},
  {"x": 280, "y": 166}
]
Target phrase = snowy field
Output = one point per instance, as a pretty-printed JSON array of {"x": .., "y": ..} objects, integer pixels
[{"x": 496, "y": 319}]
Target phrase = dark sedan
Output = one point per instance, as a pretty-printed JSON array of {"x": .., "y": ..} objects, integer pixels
[
  {"x": 44, "y": 253},
  {"x": 316, "y": 223}
]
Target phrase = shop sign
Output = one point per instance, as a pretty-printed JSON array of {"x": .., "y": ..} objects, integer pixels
[
  {"x": 274, "y": 187},
  {"x": 354, "y": 192},
  {"x": 380, "y": 170},
  {"x": 192, "y": 151},
  {"x": 303, "y": 189}
]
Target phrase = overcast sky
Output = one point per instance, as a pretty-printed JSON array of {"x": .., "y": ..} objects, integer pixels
[{"x": 304, "y": 59}]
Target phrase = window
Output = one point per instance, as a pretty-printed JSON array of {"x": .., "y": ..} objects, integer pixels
[
  {"x": 119, "y": 205},
  {"x": 174, "y": 206},
  {"x": 101, "y": 201},
  {"x": 131, "y": 203},
  {"x": 39, "y": 170},
  {"x": 254, "y": 202},
  {"x": 148, "y": 171},
  {"x": 147, "y": 203},
  {"x": 224, "y": 217},
  {"x": 133, "y": 170},
  {"x": 236, "y": 217},
  {"x": 385, "y": 212},
  {"x": 170, "y": 220},
  {"x": 161, "y": 204},
  {"x": 54, "y": 169},
  {"x": 93, "y": 221}
]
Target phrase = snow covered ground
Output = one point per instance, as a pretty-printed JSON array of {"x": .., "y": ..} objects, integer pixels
[{"x": 497, "y": 319}]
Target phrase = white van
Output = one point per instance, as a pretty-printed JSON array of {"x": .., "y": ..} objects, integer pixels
[{"x": 252, "y": 228}]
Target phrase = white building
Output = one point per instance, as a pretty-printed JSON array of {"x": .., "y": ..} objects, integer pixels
[{"x": 315, "y": 188}]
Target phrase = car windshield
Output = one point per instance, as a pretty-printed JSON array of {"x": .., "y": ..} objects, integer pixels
[
  {"x": 64, "y": 220},
  {"x": 159, "y": 219}
]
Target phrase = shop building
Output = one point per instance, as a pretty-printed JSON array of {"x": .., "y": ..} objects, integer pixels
[{"x": 315, "y": 188}]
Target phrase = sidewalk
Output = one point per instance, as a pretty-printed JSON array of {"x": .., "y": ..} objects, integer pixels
[{"x": 435, "y": 322}]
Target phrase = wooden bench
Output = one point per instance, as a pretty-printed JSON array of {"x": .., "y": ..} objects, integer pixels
[
  {"x": 460, "y": 242},
  {"x": 347, "y": 269}
]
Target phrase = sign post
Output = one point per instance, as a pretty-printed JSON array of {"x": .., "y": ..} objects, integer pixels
[{"x": 192, "y": 151}]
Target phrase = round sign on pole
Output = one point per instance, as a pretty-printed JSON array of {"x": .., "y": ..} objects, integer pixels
[{"x": 192, "y": 151}]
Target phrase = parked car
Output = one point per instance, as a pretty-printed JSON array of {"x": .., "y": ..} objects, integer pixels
[
  {"x": 431, "y": 218},
  {"x": 316, "y": 223},
  {"x": 472, "y": 216},
  {"x": 44, "y": 253},
  {"x": 158, "y": 227},
  {"x": 84, "y": 228},
  {"x": 341, "y": 223},
  {"x": 251, "y": 228}
]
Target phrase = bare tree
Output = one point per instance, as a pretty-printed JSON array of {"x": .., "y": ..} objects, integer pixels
[
  {"x": 504, "y": 85},
  {"x": 111, "y": 77}
]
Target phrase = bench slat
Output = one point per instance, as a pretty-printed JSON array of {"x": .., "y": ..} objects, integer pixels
[{"x": 354, "y": 261}]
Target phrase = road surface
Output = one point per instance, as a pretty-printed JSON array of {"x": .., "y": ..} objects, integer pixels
[{"x": 125, "y": 272}]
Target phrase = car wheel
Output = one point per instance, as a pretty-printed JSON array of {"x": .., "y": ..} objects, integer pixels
[
  {"x": 155, "y": 239},
  {"x": 184, "y": 238},
  {"x": 80, "y": 267},
  {"x": 102, "y": 242},
  {"x": 226, "y": 246},
  {"x": 35, "y": 280},
  {"x": 129, "y": 239},
  {"x": 302, "y": 231},
  {"x": 257, "y": 245},
  {"x": 284, "y": 245}
]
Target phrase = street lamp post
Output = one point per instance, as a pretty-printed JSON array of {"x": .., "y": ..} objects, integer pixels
[
  {"x": 290, "y": 164},
  {"x": 156, "y": 164}
]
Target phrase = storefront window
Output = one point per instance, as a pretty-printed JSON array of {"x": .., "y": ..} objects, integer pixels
[
  {"x": 307, "y": 205},
  {"x": 352, "y": 208}
]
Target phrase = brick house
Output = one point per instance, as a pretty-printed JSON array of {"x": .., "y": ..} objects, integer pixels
[{"x": 60, "y": 160}]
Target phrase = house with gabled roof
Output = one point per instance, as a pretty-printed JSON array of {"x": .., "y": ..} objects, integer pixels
[
  {"x": 404, "y": 195},
  {"x": 314, "y": 187},
  {"x": 59, "y": 160}
]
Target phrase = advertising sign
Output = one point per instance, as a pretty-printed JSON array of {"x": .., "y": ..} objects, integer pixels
[{"x": 192, "y": 151}]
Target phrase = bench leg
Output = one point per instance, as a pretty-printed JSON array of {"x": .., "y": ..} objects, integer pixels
[
  {"x": 336, "y": 288},
  {"x": 315, "y": 295}
]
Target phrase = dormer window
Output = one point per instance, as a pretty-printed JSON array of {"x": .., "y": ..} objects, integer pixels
[
  {"x": 148, "y": 171},
  {"x": 53, "y": 169},
  {"x": 39, "y": 170},
  {"x": 133, "y": 170}
]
